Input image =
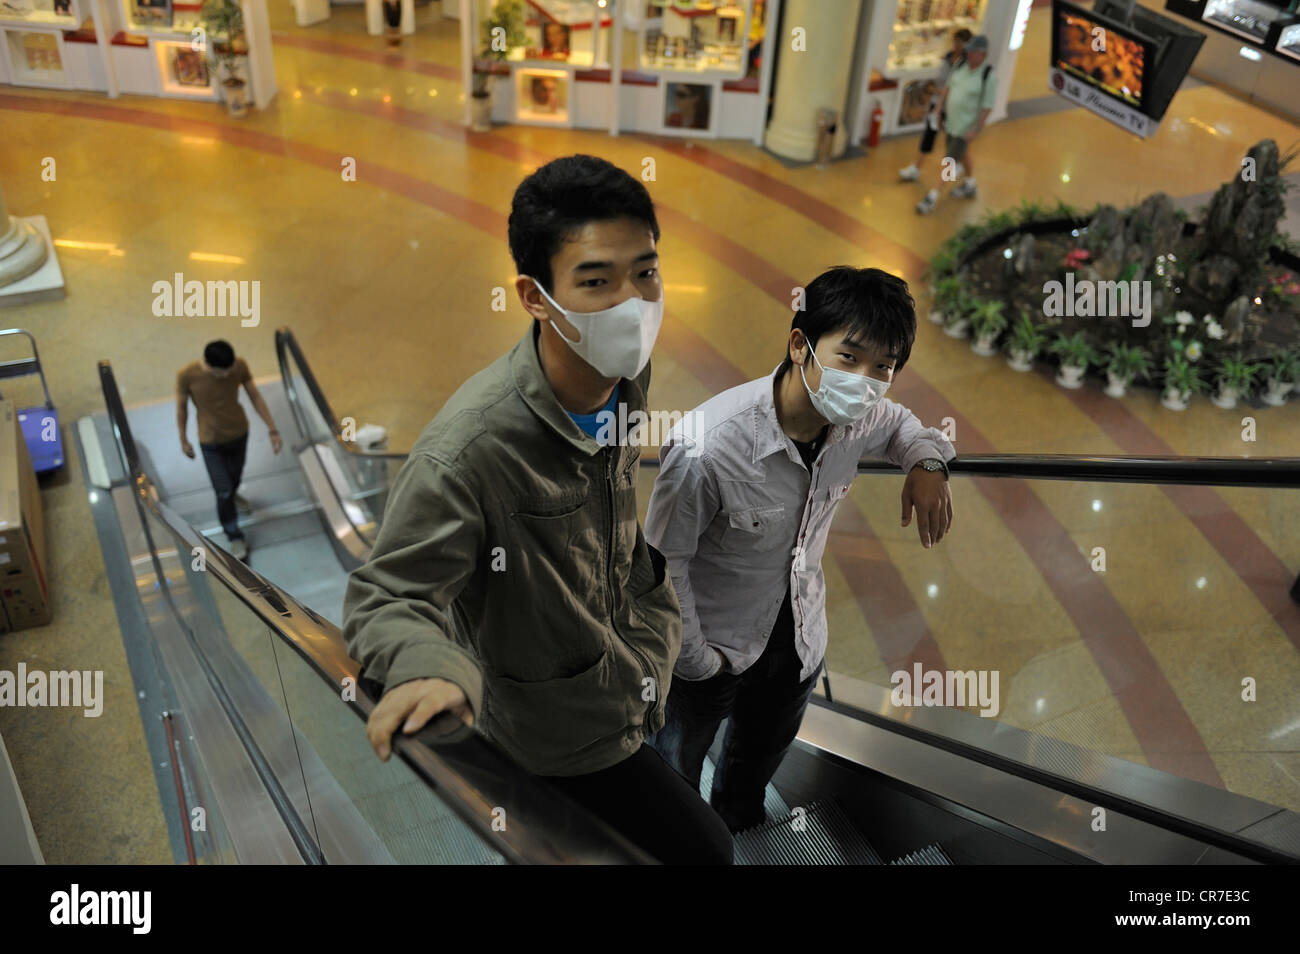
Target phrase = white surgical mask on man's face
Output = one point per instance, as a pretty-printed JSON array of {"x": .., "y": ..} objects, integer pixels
[
  {"x": 616, "y": 341},
  {"x": 843, "y": 397}
]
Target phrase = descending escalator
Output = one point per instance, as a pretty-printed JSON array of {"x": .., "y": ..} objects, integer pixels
[{"x": 261, "y": 711}]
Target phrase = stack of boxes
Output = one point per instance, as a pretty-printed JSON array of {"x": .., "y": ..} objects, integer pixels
[{"x": 24, "y": 590}]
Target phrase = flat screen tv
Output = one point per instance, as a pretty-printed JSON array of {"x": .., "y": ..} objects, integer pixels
[{"x": 1102, "y": 53}]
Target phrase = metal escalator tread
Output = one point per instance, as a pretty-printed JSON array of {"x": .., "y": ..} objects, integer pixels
[
  {"x": 827, "y": 838},
  {"x": 773, "y": 804},
  {"x": 929, "y": 855}
]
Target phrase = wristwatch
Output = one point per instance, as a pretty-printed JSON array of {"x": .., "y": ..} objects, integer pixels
[{"x": 933, "y": 464}]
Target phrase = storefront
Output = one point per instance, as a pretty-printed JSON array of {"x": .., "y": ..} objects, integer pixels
[
  {"x": 689, "y": 68},
  {"x": 1251, "y": 47},
  {"x": 146, "y": 47},
  {"x": 901, "y": 44}
]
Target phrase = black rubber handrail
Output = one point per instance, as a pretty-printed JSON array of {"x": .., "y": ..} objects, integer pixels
[{"x": 470, "y": 774}]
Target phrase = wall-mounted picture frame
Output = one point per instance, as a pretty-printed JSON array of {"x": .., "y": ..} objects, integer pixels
[
  {"x": 154, "y": 13},
  {"x": 35, "y": 58},
  {"x": 555, "y": 40},
  {"x": 543, "y": 96},
  {"x": 914, "y": 104},
  {"x": 182, "y": 71},
  {"x": 689, "y": 108}
]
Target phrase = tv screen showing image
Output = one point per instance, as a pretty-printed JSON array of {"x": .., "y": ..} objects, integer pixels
[{"x": 1096, "y": 52}]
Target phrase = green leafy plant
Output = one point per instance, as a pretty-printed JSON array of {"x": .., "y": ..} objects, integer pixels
[
  {"x": 1238, "y": 374},
  {"x": 1027, "y": 337},
  {"x": 1128, "y": 362},
  {"x": 1181, "y": 375},
  {"x": 1074, "y": 350},
  {"x": 507, "y": 16},
  {"x": 223, "y": 23},
  {"x": 947, "y": 294},
  {"x": 987, "y": 319},
  {"x": 1284, "y": 366}
]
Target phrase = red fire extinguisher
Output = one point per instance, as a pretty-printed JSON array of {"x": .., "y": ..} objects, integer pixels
[{"x": 877, "y": 119}]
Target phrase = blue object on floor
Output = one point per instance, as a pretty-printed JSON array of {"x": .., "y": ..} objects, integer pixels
[{"x": 39, "y": 424}]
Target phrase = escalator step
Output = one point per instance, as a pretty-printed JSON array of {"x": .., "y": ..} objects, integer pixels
[
  {"x": 929, "y": 855},
  {"x": 826, "y": 837}
]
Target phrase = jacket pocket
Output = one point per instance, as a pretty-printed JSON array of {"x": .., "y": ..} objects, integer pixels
[
  {"x": 760, "y": 528},
  {"x": 543, "y": 724}
]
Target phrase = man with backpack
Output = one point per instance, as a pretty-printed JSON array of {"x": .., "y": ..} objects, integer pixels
[
  {"x": 966, "y": 102},
  {"x": 934, "y": 118}
]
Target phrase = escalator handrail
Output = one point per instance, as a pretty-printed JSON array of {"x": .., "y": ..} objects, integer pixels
[
  {"x": 287, "y": 348},
  {"x": 320, "y": 644}
]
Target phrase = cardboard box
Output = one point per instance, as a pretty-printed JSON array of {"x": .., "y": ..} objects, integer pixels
[{"x": 24, "y": 592}]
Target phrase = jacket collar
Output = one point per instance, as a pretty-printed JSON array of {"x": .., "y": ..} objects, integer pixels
[{"x": 530, "y": 379}]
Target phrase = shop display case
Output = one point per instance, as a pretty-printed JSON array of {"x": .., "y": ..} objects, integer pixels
[
  {"x": 573, "y": 32},
  {"x": 1288, "y": 42},
  {"x": 701, "y": 37},
  {"x": 1251, "y": 19},
  {"x": 922, "y": 32},
  {"x": 160, "y": 17},
  {"x": 36, "y": 58},
  {"x": 56, "y": 13},
  {"x": 183, "y": 72}
]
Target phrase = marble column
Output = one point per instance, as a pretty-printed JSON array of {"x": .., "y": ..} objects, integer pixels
[{"x": 22, "y": 247}]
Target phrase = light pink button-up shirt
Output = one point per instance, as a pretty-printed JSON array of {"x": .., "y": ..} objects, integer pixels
[{"x": 740, "y": 519}]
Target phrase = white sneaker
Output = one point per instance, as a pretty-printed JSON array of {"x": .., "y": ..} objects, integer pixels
[
  {"x": 967, "y": 190},
  {"x": 910, "y": 174},
  {"x": 242, "y": 505},
  {"x": 926, "y": 205},
  {"x": 239, "y": 549}
]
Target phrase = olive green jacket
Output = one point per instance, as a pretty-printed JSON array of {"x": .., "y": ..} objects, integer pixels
[{"x": 511, "y": 562}]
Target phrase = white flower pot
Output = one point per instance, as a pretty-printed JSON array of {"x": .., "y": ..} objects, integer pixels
[
  {"x": 1070, "y": 376},
  {"x": 481, "y": 113},
  {"x": 1225, "y": 397},
  {"x": 1174, "y": 399},
  {"x": 1020, "y": 360},
  {"x": 983, "y": 345},
  {"x": 957, "y": 329},
  {"x": 1277, "y": 391},
  {"x": 936, "y": 316},
  {"x": 1116, "y": 385}
]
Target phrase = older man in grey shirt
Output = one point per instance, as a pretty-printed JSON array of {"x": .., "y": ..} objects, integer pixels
[{"x": 742, "y": 509}]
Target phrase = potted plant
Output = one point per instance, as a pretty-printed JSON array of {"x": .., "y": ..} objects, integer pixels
[
  {"x": 956, "y": 319},
  {"x": 1124, "y": 363},
  {"x": 1236, "y": 377},
  {"x": 947, "y": 296},
  {"x": 1282, "y": 370},
  {"x": 1076, "y": 355},
  {"x": 1027, "y": 341},
  {"x": 987, "y": 322},
  {"x": 1181, "y": 380},
  {"x": 223, "y": 22},
  {"x": 393, "y": 21},
  {"x": 503, "y": 29}
]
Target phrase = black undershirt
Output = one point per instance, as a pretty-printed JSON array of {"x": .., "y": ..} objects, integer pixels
[{"x": 808, "y": 450}]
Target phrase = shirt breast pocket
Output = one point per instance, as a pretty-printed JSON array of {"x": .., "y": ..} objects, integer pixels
[{"x": 759, "y": 529}]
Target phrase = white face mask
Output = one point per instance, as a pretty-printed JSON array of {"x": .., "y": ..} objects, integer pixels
[
  {"x": 617, "y": 341},
  {"x": 844, "y": 398}
]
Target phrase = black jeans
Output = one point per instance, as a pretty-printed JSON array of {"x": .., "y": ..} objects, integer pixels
[
  {"x": 652, "y": 806},
  {"x": 766, "y": 703},
  {"x": 225, "y": 464}
]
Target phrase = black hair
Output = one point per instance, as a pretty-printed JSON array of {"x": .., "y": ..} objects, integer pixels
[
  {"x": 219, "y": 354},
  {"x": 564, "y": 195},
  {"x": 963, "y": 34},
  {"x": 863, "y": 303}
]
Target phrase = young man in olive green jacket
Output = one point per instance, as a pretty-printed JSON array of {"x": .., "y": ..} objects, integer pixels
[{"x": 511, "y": 583}]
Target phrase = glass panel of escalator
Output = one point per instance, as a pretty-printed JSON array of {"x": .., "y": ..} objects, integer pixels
[{"x": 1127, "y": 619}]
